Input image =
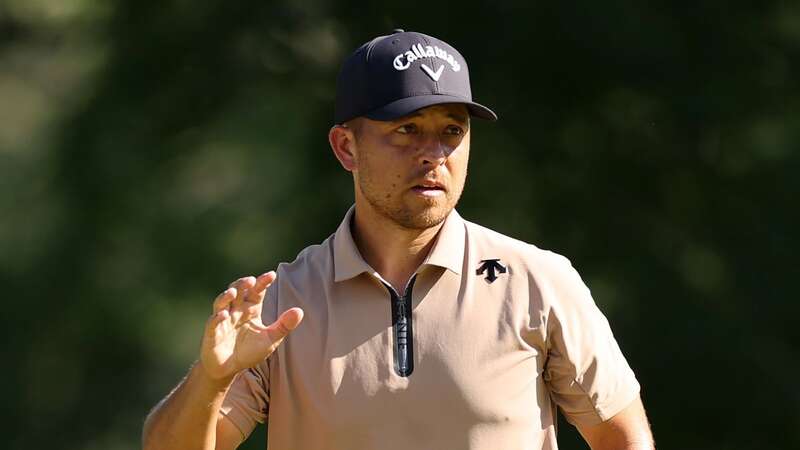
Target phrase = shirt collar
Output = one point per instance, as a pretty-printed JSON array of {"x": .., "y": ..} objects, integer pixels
[
  {"x": 447, "y": 251},
  {"x": 347, "y": 260}
]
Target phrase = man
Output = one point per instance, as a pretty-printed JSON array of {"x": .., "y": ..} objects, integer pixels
[{"x": 419, "y": 329}]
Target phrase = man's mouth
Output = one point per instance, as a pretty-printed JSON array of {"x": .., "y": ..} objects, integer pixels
[{"x": 429, "y": 189}]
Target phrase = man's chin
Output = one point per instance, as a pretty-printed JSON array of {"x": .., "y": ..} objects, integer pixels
[
  {"x": 414, "y": 213},
  {"x": 423, "y": 218}
]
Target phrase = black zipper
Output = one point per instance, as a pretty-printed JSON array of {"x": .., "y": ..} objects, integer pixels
[{"x": 402, "y": 329}]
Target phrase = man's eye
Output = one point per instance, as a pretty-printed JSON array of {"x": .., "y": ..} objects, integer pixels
[
  {"x": 454, "y": 130},
  {"x": 408, "y": 128}
]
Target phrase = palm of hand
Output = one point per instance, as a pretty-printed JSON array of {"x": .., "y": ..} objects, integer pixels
[
  {"x": 236, "y": 344},
  {"x": 235, "y": 337}
]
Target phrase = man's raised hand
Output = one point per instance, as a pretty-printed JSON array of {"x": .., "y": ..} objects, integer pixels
[{"x": 235, "y": 338}]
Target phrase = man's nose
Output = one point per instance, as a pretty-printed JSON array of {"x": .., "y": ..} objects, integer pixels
[{"x": 432, "y": 150}]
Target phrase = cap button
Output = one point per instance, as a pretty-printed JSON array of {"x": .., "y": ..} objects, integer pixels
[{"x": 398, "y": 30}]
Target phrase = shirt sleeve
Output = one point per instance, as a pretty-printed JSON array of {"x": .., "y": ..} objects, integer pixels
[
  {"x": 586, "y": 372},
  {"x": 247, "y": 402}
]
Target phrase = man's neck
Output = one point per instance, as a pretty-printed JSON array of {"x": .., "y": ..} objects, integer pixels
[{"x": 393, "y": 251}]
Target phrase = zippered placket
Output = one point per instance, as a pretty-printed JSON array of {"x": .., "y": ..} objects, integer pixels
[{"x": 402, "y": 329}]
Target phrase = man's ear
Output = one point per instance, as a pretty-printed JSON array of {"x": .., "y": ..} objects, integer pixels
[{"x": 343, "y": 140}]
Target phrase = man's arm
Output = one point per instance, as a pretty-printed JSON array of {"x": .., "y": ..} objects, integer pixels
[
  {"x": 189, "y": 414},
  {"x": 235, "y": 339},
  {"x": 627, "y": 430}
]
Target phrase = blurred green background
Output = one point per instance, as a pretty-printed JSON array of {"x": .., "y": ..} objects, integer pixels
[{"x": 151, "y": 152}]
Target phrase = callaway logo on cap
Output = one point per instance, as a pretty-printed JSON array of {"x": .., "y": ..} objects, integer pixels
[{"x": 395, "y": 75}]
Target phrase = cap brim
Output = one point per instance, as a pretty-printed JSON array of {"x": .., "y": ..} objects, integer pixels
[{"x": 408, "y": 105}]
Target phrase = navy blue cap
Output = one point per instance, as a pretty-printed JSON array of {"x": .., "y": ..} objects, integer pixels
[{"x": 392, "y": 76}]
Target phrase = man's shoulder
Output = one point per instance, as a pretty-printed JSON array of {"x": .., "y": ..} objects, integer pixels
[
  {"x": 485, "y": 239},
  {"x": 550, "y": 274},
  {"x": 314, "y": 260}
]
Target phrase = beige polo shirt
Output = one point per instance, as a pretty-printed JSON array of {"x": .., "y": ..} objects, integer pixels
[{"x": 491, "y": 335}]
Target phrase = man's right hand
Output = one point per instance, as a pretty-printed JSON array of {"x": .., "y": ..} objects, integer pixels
[{"x": 235, "y": 338}]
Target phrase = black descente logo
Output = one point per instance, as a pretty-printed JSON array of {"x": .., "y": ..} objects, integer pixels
[{"x": 491, "y": 267}]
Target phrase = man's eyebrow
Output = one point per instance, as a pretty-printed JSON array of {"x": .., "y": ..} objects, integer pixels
[
  {"x": 458, "y": 117},
  {"x": 408, "y": 116}
]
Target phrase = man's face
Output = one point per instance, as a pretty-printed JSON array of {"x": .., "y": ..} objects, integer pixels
[{"x": 412, "y": 170}]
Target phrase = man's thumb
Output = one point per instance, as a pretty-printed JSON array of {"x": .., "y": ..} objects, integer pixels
[
  {"x": 287, "y": 322},
  {"x": 291, "y": 318}
]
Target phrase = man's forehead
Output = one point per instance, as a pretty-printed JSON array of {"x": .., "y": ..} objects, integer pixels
[{"x": 454, "y": 111}]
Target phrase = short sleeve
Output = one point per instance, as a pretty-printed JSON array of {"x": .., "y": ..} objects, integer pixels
[
  {"x": 586, "y": 372},
  {"x": 247, "y": 401}
]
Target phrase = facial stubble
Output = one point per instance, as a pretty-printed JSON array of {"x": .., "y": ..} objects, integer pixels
[{"x": 393, "y": 205}]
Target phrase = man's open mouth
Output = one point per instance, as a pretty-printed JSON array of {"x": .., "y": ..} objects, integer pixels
[{"x": 429, "y": 189}]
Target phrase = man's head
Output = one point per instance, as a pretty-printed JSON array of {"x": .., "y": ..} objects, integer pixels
[
  {"x": 402, "y": 127},
  {"x": 410, "y": 170}
]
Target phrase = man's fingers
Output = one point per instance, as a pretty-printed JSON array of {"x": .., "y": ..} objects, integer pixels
[
  {"x": 250, "y": 311},
  {"x": 242, "y": 285},
  {"x": 216, "y": 319},
  {"x": 256, "y": 294},
  {"x": 243, "y": 297},
  {"x": 238, "y": 282},
  {"x": 287, "y": 322},
  {"x": 224, "y": 299}
]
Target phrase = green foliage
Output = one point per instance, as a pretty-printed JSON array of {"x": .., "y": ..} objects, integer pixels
[{"x": 150, "y": 152}]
